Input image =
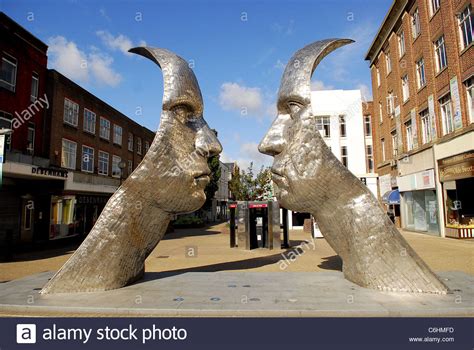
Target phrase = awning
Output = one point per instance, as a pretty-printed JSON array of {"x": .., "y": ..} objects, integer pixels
[{"x": 391, "y": 197}]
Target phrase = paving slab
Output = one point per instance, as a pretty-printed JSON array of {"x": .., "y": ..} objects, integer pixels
[{"x": 236, "y": 293}]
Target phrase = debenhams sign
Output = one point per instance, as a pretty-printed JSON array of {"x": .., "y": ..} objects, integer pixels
[{"x": 49, "y": 171}]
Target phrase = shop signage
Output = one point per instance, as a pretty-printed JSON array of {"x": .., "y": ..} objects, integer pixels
[
  {"x": 431, "y": 112},
  {"x": 385, "y": 184},
  {"x": 91, "y": 199},
  {"x": 233, "y": 206},
  {"x": 258, "y": 205},
  {"x": 37, "y": 170},
  {"x": 453, "y": 84},
  {"x": 457, "y": 167},
  {"x": 422, "y": 180}
]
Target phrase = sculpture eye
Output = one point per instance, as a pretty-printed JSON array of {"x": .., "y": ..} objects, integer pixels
[
  {"x": 182, "y": 111},
  {"x": 294, "y": 107}
]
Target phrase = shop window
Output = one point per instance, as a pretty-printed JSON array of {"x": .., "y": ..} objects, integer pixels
[
  {"x": 447, "y": 114},
  {"x": 68, "y": 154},
  {"x": 104, "y": 128},
  {"x": 103, "y": 163},
  {"x": 34, "y": 87},
  {"x": 71, "y": 112},
  {"x": 323, "y": 124},
  {"x": 466, "y": 26},
  {"x": 89, "y": 121},
  {"x": 459, "y": 203},
  {"x": 8, "y": 73},
  {"x": 421, "y": 211},
  {"x": 62, "y": 216}
]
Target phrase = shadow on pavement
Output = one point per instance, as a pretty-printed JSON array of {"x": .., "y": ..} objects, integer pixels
[{"x": 331, "y": 263}]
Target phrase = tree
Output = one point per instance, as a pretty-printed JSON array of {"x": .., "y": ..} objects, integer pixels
[
  {"x": 245, "y": 186},
  {"x": 213, "y": 185}
]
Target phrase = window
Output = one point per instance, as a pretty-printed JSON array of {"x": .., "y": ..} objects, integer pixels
[
  {"x": 87, "y": 159},
  {"x": 390, "y": 104},
  {"x": 130, "y": 141},
  {"x": 89, "y": 121},
  {"x": 425, "y": 126},
  {"x": 71, "y": 112},
  {"x": 147, "y": 146},
  {"x": 440, "y": 54},
  {"x": 382, "y": 148},
  {"x": 118, "y": 135},
  {"x": 342, "y": 126},
  {"x": 139, "y": 145},
  {"x": 434, "y": 6},
  {"x": 401, "y": 43},
  {"x": 380, "y": 112},
  {"x": 68, "y": 154},
  {"x": 447, "y": 114},
  {"x": 370, "y": 158},
  {"x": 6, "y": 123},
  {"x": 394, "y": 144},
  {"x": 130, "y": 167},
  {"x": 323, "y": 124},
  {"x": 470, "y": 98},
  {"x": 405, "y": 88},
  {"x": 34, "y": 87},
  {"x": 344, "y": 159},
  {"x": 388, "y": 62},
  {"x": 378, "y": 76},
  {"x": 104, "y": 128},
  {"x": 420, "y": 73},
  {"x": 466, "y": 26},
  {"x": 31, "y": 138},
  {"x": 409, "y": 135},
  {"x": 116, "y": 172},
  {"x": 8, "y": 75},
  {"x": 367, "y": 125},
  {"x": 103, "y": 163},
  {"x": 415, "y": 24}
]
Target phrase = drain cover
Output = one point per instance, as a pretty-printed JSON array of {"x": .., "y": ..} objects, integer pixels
[
  {"x": 178, "y": 299},
  {"x": 215, "y": 299}
]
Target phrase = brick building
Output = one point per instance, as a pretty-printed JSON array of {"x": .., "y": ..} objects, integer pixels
[
  {"x": 22, "y": 110},
  {"x": 96, "y": 144},
  {"x": 422, "y": 66}
]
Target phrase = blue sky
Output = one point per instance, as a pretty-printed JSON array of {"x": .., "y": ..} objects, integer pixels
[{"x": 238, "y": 50}]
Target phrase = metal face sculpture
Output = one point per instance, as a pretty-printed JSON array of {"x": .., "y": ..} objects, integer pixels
[
  {"x": 311, "y": 179},
  {"x": 170, "y": 179}
]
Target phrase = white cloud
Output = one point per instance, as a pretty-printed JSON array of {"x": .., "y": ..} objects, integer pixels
[
  {"x": 365, "y": 91},
  {"x": 318, "y": 85},
  {"x": 119, "y": 42},
  {"x": 66, "y": 57},
  {"x": 249, "y": 153},
  {"x": 247, "y": 100}
]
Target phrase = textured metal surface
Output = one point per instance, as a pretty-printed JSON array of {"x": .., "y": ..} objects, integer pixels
[
  {"x": 311, "y": 179},
  {"x": 170, "y": 179}
]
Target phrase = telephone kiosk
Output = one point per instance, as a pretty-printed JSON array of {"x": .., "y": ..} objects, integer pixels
[{"x": 256, "y": 224}]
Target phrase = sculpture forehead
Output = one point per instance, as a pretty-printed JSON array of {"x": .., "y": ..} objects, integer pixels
[
  {"x": 296, "y": 80},
  {"x": 180, "y": 83}
]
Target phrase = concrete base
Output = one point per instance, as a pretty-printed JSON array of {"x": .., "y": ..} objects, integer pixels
[{"x": 245, "y": 294}]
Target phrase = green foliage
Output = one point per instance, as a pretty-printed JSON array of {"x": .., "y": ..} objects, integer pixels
[
  {"x": 188, "y": 220},
  {"x": 245, "y": 186}
]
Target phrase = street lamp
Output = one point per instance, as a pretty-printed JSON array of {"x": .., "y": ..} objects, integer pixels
[{"x": 121, "y": 166}]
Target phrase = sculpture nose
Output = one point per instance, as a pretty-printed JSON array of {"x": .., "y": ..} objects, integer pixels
[
  {"x": 273, "y": 142},
  {"x": 207, "y": 143}
]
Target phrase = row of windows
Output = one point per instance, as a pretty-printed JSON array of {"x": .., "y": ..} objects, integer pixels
[
  {"x": 323, "y": 124},
  {"x": 428, "y": 122},
  {"x": 71, "y": 117},
  {"x": 369, "y": 153},
  {"x": 8, "y": 76},
  {"x": 69, "y": 156}
]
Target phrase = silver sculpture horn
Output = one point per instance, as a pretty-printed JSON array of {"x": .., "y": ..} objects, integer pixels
[
  {"x": 311, "y": 179},
  {"x": 169, "y": 180}
]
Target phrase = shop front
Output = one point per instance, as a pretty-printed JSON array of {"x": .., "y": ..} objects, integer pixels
[
  {"x": 456, "y": 175},
  {"x": 418, "y": 203},
  {"x": 388, "y": 189}
]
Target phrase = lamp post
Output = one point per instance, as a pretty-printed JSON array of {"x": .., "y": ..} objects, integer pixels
[
  {"x": 3, "y": 133},
  {"x": 121, "y": 166}
]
